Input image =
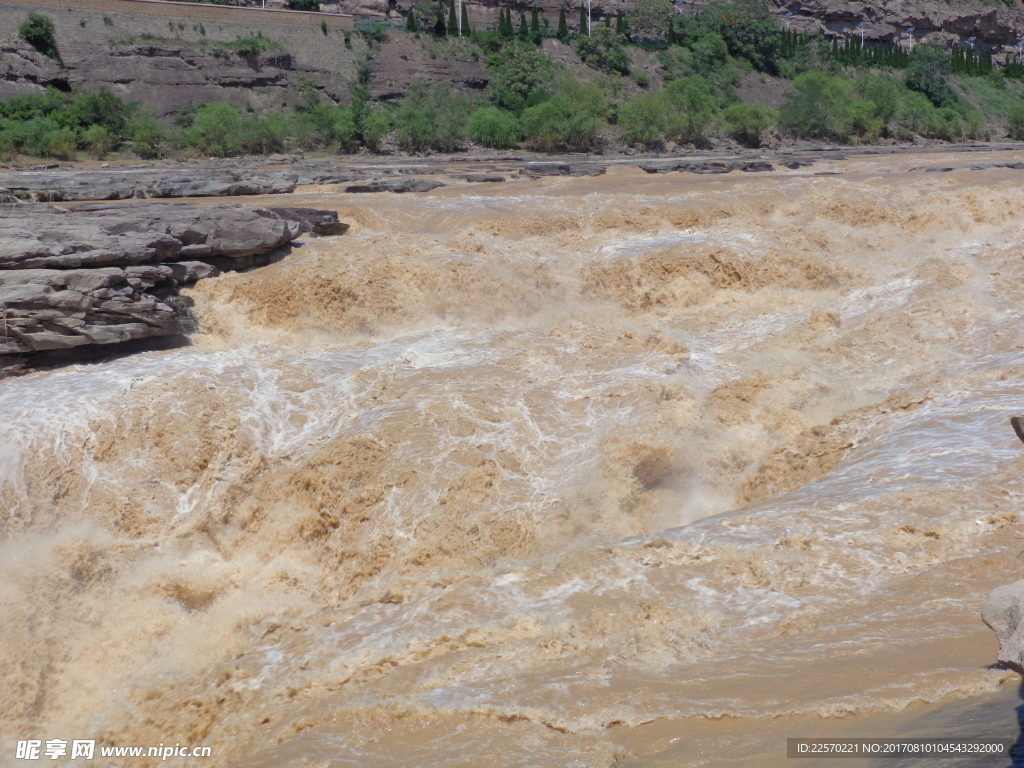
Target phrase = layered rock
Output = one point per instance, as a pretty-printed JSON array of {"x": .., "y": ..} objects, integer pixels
[
  {"x": 168, "y": 77},
  {"x": 44, "y": 186},
  {"x": 98, "y": 275}
]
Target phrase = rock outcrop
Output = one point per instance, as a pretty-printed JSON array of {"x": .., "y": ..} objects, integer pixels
[
  {"x": 713, "y": 166},
  {"x": 168, "y": 77},
  {"x": 396, "y": 185},
  {"x": 1002, "y": 612},
  {"x": 99, "y": 275},
  {"x": 403, "y": 57},
  {"x": 49, "y": 187}
]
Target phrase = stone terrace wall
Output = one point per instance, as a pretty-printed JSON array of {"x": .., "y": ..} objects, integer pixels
[{"x": 83, "y": 26}]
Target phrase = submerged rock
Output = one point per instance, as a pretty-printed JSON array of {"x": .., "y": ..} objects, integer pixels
[
  {"x": 396, "y": 185},
  {"x": 99, "y": 275}
]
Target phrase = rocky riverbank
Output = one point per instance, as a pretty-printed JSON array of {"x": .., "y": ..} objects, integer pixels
[{"x": 93, "y": 277}]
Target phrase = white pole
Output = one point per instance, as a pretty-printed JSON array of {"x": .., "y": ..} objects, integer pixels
[
  {"x": 589, "y": 25},
  {"x": 458, "y": 14}
]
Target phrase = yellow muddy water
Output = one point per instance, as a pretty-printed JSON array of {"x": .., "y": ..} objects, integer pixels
[{"x": 623, "y": 471}]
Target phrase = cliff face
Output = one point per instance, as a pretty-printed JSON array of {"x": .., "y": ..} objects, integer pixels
[
  {"x": 997, "y": 28},
  {"x": 168, "y": 77}
]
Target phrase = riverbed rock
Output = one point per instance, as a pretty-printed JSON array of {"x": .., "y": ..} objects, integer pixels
[
  {"x": 708, "y": 166},
  {"x": 35, "y": 235},
  {"x": 564, "y": 169},
  {"x": 102, "y": 275},
  {"x": 396, "y": 185},
  {"x": 1002, "y": 612},
  {"x": 56, "y": 185}
]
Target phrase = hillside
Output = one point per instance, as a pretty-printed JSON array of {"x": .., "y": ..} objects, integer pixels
[{"x": 722, "y": 74}]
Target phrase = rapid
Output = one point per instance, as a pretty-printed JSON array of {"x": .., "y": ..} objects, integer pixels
[{"x": 621, "y": 471}]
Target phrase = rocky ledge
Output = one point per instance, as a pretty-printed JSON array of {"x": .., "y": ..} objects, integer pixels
[{"x": 88, "y": 277}]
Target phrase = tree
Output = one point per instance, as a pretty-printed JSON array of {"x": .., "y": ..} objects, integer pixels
[
  {"x": 453, "y": 22},
  {"x": 505, "y": 30},
  {"x": 465, "y": 21},
  {"x": 563, "y": 27},
  {"x": 642, "y": 121},
  {"x": 439, "y": 26},
  {"x": 823, "y": 106},
  {"x": 535, "y": 25},
  {"x": 524, "y": 31},
  {"x": 603, "y": 50},
  {"x": 689, "y": 108},
  {"x": 746, "y": 122},
  {"x": 622, "y": 26},
  {"x": 651, "y": 18},
  {"x": 748, "y": 28},
  {"x": 410, "y": 22},
  {"x": 927, "y": 74},
  {"x": 495, "y": 128},
  {"x": 37, "y": 31},
  {"x": 584, "y": 19}
]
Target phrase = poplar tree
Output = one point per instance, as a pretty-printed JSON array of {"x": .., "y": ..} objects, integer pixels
[
  {"x": 535, "y": 25},
  {"x": 584, "y": 21},
  {"x": 453, "y": 22},
  {"x": 465, "y": 21},
  {"x": 439, "y": 28},
  {"x": 563, "y": 26},
  {"x": 410, "y": 21},
  {"x": 621, "y": 26},
  {"x": 524, "y": 31}
]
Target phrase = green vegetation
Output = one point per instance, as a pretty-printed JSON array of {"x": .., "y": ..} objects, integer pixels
[
  {"x": 495, "y": 128},
  {"x": 250, "y": 46},
  {"x": 747, "y": 122},
  {"x": 604, "y": 50},
  {"x": 38, "y": 31},
  {"x": 842, "y": 91}
]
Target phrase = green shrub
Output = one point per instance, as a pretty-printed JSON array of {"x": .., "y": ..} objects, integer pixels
[
  {"x": 148, "y": 136},
  {"x": 495, "y": 128},
  {"x": 689, "y": 109},
  {"x": 373, "y": 129},
  {"x": 1015, "y": 122},
  {"x": 650, "y": 19},
  {"x": 885, "y": 92},
  {"x": 60, "y": 144},
  {"x": 97, "y": 140},
  {"x": 927, "y": 74},
  {"x": 603, "y": 50},
  {"x": 262, "y": 134},
  {"x": 977, "y": 128},
  {"x": 915, "y": 113},
  {"x": 215, "y": 129},
  {"x": 251, "y": 46},
  {"x": 747, "y": 27},
  {"x": 38, "y": 31},
  {"x": 642, "y": 121},
  {"x": 946, "y": 124},
  {"x": 101, "y": 108},
  {"x": 431, "y": 118},
  {"x": 304, "y": 5},
  {"x": 746, "y": 122},
  {"x": 824, "y": 107},
  {"x": 518, "y": 73},
  {"x": 572, "y": 119}
]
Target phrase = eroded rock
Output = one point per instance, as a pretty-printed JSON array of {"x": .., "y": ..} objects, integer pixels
[
  {"x": 101, "y": 275},
  {"x": 1002, "y": 612}
]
